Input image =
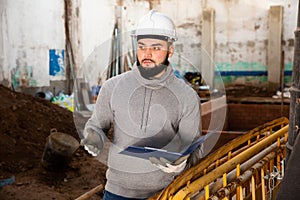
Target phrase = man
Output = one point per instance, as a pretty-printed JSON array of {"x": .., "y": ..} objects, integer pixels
[{"x": 148, "y": 107}]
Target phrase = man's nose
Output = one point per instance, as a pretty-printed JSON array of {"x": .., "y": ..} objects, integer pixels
[{"x": 148, "y": 52}]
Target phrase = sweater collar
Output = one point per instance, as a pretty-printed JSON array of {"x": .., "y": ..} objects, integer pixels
[{"x": 154, "y": 83}]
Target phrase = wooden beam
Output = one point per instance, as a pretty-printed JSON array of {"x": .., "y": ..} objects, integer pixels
[{"x": 90, "y": 193}]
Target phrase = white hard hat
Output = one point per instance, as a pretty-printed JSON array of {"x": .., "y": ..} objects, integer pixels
[{"x": 156, "y": 24}]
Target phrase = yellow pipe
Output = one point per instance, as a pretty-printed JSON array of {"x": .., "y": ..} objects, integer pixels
[
  {"x": 229, "y": 155},
  {"x": 197, "y": 170},
  {"x": 217, "y": 185},
  {"x": 239, "y": 188},
  {"x": 263, "y": 190},
  {"x": 278, "y": 156},
  {"x": 241, "y": 194},
  {"x": 271, "y": 165},
  {"x": 217, "y": 163},
  {"x": 224, "y": 180},
  {"x": 199, "y": 183},
  {"x": 253, "y": 187},
  {"x": 245, "y": 177},
  {"x": 206, "y": 192},
  {"x": 226, "y": 158},
  {"x": 225, "y": 184}
]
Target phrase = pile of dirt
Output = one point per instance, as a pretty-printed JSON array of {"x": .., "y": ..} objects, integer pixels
[{"x": 25, "y": 124}]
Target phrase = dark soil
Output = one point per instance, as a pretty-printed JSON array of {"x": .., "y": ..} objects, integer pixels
[{"x": 25, "y": 124}]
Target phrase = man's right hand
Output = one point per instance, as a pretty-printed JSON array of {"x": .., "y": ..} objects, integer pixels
[
  {"x": 92, "y": 141},
  {"x": 170, "y": 167}
]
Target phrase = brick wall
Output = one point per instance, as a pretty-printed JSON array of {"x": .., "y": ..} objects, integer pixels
[
  {"x": 214, "y": 114},
  {"x": 243, "y": 117}
]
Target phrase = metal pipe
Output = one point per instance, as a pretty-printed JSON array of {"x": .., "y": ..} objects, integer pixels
[
  {"x": 215, "y": 186},
  {"x": 197, "y": 170},
  {"x": 263, "y": 190},
  {"x": 199, "y": 183},
  {"x": 228, "y": 157},
  {"x": 231, "y": 187}
]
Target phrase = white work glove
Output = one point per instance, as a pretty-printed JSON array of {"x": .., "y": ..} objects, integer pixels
[
  {"x": 170, "y": 167},
  {"x": 92, "y": 141}
]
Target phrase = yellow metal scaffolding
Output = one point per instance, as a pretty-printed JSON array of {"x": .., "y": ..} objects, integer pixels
[{"x": 248, "y": 167}]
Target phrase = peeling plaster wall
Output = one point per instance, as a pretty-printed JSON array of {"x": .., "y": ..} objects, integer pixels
[
  {"x": 97, "y": 26},
  {"x": 30, "y": 29},
  {"x": 242, "y": 36}
]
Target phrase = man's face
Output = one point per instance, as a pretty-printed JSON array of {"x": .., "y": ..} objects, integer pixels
[{"x": 153, "y": 52}]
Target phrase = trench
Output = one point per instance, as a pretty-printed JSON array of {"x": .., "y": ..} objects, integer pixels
[{"x": 243, "y": 115}]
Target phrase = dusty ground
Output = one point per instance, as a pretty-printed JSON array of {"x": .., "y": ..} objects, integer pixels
[{"x": 25, "y": 123}]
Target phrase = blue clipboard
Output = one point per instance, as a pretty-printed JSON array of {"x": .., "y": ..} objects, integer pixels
[{"x": 147, "y": 152}]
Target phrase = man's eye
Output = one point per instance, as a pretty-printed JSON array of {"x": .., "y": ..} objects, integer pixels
[
  {"x": 156, "y": 48},
  {"x": 141, "y": 47}
]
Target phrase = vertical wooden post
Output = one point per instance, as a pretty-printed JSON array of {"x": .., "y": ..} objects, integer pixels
[
  {"x": 73, "y": 47},
  {"x": 69, "y": 60},
  {"x": 274, "y": 47},
  {"x": 208, "y": 46}
]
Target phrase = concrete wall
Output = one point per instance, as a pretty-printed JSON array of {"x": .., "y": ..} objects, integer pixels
[
  {"x": 33, "y": 40},
  {"x": 29, "y": 30},
  {"x": 242, "y": 37},
  {"x": 98, "y": 19}
]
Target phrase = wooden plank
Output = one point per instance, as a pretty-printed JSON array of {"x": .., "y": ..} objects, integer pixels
[{"x": 90, "y": 193}]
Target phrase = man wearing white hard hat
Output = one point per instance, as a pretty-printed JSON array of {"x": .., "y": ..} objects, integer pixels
[{"x": 149, "y": 107}]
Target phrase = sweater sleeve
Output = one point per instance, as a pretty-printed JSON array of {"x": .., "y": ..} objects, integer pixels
[
  {"x": 190, "y": 122},
  {"x": 190, "y": 127},
  {"x": 102, "y": 116}
]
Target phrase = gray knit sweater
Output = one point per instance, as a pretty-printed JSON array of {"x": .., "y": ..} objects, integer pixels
[{"x": 162, "y": 113}]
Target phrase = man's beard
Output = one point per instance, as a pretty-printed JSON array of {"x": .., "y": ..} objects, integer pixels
[{"x": 151, "y": 72}]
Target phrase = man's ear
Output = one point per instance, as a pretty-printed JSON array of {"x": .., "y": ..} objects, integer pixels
[{"x": 171, "y": 50}]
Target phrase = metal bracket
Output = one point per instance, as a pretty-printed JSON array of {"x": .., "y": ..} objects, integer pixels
[
  {"x": 297, "y": 128},
  {"x": 273, "y": 177},
  {"x": 289, "y": 147}
]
